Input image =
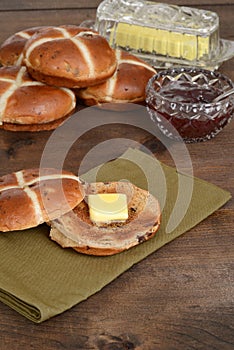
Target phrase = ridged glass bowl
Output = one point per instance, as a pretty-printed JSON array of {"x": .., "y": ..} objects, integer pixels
[{"x": 180, "y": 101}]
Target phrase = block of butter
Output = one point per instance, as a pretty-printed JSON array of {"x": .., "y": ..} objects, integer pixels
[
  {"x": 158, "y": 31},
  {"x": 108, "y": 207}
]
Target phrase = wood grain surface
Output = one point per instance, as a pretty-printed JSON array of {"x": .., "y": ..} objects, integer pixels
[{"x": 180, "y": 297}]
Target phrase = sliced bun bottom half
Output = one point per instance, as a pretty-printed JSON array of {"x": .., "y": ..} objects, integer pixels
[
  {"x": 76, "y": 230},
  {"x": 35, "y": 127}
]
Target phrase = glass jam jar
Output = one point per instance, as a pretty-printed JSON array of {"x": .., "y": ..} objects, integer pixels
[{"x": 181, "y": 102}]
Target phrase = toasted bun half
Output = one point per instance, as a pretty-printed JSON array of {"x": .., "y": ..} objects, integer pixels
[
  {"x": 26, "y": 102},
  {"x": 126, "y": 85},
  {"x": 69, "y": 56},
  {"x": 76, "y": 230},
  {"x": 33, "y": 196}
]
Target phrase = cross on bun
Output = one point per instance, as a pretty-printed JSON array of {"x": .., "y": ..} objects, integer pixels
[
  {"x": 126, "y": 85},
  {"x": 30, "y": 105},
  {"x": 11, "y": 50},
  {"x": 69, "y": 56},
  {"x": 33, "y": 196},
  {"x": 76, "y": 230}
]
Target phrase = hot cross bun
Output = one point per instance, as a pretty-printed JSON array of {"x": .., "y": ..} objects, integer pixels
[
  {"x": 11, "y": 50},
  {"x": 69, "y": 56},
  {"x": 126, "y": 85},
  {"x": 33, "y": 196},
  {"x": 30, "y": 105}
]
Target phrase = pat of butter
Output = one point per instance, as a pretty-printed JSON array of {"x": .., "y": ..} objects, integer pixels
[
  {"x": 108, "y": 207},
  {"x": 162, "y": 42}
]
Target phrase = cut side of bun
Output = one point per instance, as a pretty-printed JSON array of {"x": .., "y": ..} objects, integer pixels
[
  {"x": 77, "y": 231},
  {"x": 31, "y": 197}
]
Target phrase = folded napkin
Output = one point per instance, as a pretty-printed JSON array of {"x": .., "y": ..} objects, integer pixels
[{"x": 39, "y": 279}]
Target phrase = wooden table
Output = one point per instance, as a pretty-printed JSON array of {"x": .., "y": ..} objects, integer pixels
[{"x": 180, "y": 297}]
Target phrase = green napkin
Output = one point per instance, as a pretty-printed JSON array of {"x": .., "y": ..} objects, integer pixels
[{"x": 39, "y": 279}]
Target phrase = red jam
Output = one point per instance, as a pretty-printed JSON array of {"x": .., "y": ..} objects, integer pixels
[
  {"x": 188, "y": 107},
  {"x": 186, "y": 92}
]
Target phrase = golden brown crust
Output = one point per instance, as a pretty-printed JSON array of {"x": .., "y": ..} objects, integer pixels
[
  {"x": 34, "y": 127},
  {"x": 76, "y": 230},
  {"x": 69, "y": 56},
  {"x": 12, "y": 48},
  {"x": 126, "y": 85},
  {"x": 33, "y": 196},
  {"x": 28, "y": 102}
]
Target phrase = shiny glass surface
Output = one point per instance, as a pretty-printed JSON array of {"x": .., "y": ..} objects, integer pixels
[
  {"x": 180, "y": 100},
  {"x": 163, "y": 34}
]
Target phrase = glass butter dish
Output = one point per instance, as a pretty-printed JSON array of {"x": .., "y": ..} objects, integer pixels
[{"x": 162, "y": 34}]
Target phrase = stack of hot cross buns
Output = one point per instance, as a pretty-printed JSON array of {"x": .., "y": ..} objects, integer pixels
[{"x": 47, "y": 70}]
